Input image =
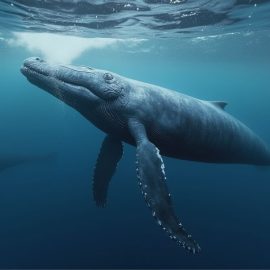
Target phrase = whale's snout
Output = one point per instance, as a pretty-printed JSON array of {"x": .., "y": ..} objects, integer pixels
[
  {"x": 31, "y": 61},
  {"x": 68, "y": 83},
  {"x": 35, "y": 66}
]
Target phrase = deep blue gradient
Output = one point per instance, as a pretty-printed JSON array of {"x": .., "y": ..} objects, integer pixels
[{"x": 48, "y": 217}]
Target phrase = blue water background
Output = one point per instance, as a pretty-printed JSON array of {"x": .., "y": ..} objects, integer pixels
[{"x": 48, "y": 217}]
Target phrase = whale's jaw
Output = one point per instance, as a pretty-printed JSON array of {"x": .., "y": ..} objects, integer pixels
[{"x": 59, "y": 81}]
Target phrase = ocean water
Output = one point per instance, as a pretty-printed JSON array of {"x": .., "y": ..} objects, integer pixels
[{"x": 213, "y": 50}]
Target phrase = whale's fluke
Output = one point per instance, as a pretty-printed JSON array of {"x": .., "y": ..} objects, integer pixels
[{"x": 110, "y": 153}]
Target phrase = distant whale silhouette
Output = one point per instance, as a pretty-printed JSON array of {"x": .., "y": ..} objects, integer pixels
[
  {"x": 158, "y": 122},
  {"x": 9, "y": 161}
]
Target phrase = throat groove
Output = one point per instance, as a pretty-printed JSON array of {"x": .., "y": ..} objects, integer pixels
[{"x": 112, "y": 117}]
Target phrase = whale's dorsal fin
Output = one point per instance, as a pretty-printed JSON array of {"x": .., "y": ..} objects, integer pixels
[
  {"x": 152, "y": 181},
  {"x": 219, "y": 104},
  {"x": 110, "y": 153}
]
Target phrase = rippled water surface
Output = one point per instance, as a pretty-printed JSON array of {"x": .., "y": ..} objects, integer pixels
[
  {"x": 145, "y": 18},
  {"x": 209, "y": 49}
]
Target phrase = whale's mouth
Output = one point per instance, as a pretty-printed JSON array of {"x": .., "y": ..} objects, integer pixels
[
  {"x": 33, "y": 73},
  {"x": 50, "y": 78},
  {"x": 29, "y": 72},
  {"x": 37, "y": 70},
  {"x": 36, "y": 73},
  {"x": 41, "y": 71}
]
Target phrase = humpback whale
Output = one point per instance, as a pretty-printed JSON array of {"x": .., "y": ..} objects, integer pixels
[
  {"x": 158, "y": 122},
  {"x": 9, "y": 161}
]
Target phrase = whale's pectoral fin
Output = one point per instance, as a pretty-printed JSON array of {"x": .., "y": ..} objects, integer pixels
[
  {"x": 151, "y": 176},
  {"x": 110, "y": 153}
]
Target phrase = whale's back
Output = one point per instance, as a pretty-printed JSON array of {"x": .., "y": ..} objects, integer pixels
[{"x": 194, "y": 129}]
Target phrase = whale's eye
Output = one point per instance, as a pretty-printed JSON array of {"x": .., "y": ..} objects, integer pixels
[{"x": 108, "y": 76}]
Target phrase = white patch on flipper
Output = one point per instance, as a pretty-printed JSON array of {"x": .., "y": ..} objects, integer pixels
[{"x": 162, "y": 163}]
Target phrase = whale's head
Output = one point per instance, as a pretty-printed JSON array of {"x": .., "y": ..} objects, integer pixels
[{"x": 86, "y": 89}]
